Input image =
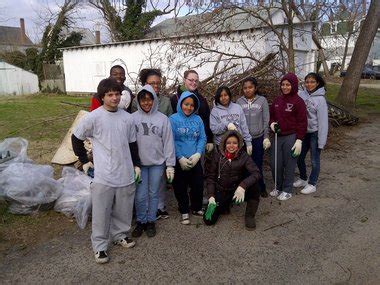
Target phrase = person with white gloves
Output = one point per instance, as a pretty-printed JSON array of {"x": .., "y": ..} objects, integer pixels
[
  {"x": 317, "y": 130},
  {"x": 116, "y": 164},
  {"x": 156, "y": 150},
  {"x": 289, "y": 122},
  {"x": 153, "y": 77},
  {"x": 228, "y": 116},
  {"x": 232, "y": 178},
  {"x": 190, "y": 141},
  {"x": 256, "y": 111}
]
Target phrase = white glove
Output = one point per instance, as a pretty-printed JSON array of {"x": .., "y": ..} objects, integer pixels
[
  {"x": 239, "y": 195},
  {"x": 211, "y": 200},
  {"x": 185, "y": 163},
  {"x": 170, "y": 173},
  {"x": 297, "y": 148},
  {"x": 266, "y": 144},
  {"x": 137, "y": 174},
  {"x": 87, "y": 166},
  {"x": 249, "y": 150},
  {"x": 194, "y": 159},
  {"x": 125, "y": 100},
  {"x": 209, "y": 147},
  {"x": 231, "y": 127}
]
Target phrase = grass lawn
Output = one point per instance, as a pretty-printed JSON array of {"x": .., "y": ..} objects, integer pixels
[
  {"x": 43, "y": 120},
  {"x": 367, "y": 100}
]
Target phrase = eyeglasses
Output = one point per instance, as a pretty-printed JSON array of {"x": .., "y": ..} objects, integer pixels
[
  {"x": 193, "y": 80},
  {"x": 155, "y": 83}
]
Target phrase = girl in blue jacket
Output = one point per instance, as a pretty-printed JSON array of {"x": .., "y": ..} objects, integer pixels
[{"x": 189, "y": 140}]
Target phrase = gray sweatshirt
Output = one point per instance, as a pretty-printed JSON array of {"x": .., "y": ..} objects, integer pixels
[
  {"x": 257, "y": 115},
  {"x": 221, "y": 116},
  {"x": 154, "y": 135},
  {"x": 317, "y": 114}
]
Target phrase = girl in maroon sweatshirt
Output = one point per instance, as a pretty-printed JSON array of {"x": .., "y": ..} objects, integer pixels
[{"x": 288, "y": 119}]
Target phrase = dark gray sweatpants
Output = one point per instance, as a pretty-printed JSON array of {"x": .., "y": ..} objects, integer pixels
[
  {"x": 111, "y": 213},
  {"x": 286, "y": 164}
]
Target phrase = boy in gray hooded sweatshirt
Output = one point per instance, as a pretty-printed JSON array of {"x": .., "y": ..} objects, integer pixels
[
  {"x": 317, "y": 129},
  {"x": 156, "y": 149}
]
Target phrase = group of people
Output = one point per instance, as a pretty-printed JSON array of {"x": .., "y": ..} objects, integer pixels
[{"x": 142, "y": 143}]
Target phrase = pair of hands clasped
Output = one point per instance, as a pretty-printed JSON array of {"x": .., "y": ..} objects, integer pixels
[
  {"x": 169, "y": 174},
  {"x": 238, "y": 198},
  {"x": 188, "y": 163}
]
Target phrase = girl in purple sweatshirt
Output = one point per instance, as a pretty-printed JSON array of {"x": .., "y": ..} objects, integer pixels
[{"x": 288, "y": 119}]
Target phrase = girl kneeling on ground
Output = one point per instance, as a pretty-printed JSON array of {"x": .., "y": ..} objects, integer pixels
[{"x": 232, "y": 176}]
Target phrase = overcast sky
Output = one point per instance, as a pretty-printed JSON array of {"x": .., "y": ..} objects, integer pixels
[{"x": 31, "y": 10}]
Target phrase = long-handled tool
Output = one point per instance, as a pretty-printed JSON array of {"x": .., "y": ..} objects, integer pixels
[{"x": 275, "y": 161}]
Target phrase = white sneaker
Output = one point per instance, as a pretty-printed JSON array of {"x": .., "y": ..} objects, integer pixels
[
  {"x": 275, "y": 193},
  {"x": 300, "y": 183},
  {"x": 125, "y": 242},
  {"x": 284, "y": 196},
  {"x": 101, "y": 257},
  {"x": 309, "y": 189},
  {"x": 185, "y": 219}
]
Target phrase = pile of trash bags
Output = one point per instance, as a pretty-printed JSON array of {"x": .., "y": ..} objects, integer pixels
[{"x": 28, "y": 187}]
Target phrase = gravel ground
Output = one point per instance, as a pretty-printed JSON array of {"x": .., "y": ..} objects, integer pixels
[{"x": 331, "y": 236}]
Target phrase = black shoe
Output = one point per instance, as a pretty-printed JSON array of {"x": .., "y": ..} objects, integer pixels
[
  {"x": 101, "y": 257},
  {"x": 150, "y": 229},
  {"x": 250, "y": 213},
  {"x": 162, "y": 214},
  {"x": 139, "y": 229}
]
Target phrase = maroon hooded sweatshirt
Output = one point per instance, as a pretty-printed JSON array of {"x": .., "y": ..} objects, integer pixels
[{"x": 289, "y": 110}]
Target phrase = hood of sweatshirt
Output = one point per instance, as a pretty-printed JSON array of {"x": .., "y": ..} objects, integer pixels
[
  {"x": 292, "y": 78},
  {"x": 185, "y": 95},
  {"x": 319, "y": 92},
  {"x": 149, "y": 89},
  {"x": 222, "y": 145}
]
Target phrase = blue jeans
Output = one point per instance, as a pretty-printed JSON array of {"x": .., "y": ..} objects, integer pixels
[
  {"x": 257, "y": 156},
  {"x": 146, "y": 199},
  {"x": 310, "y": 142}
]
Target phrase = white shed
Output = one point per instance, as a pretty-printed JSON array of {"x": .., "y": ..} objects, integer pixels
[
  {"x": 167, "y": 48},
  {"x": 17, "y": 81}
]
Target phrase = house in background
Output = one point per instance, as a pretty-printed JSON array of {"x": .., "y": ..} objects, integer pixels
[
  {"x": 14, "y": 38},
  {"x": 172, "y": 46}
]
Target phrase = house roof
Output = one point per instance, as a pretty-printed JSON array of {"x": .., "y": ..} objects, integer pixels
[
  {"x": 12, "y": 36},
  {"x": 218, "y": 21},
  {"x": 234, "y": 20},
  {"x": 88, "y": 38}
]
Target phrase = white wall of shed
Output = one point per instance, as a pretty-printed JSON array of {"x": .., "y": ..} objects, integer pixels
[{"x": 17, "y": 81}]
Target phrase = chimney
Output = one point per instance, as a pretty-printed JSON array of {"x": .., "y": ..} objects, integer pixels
[
  {"x": 22, "y": 31},
  {"x": 97, "y": 37}
]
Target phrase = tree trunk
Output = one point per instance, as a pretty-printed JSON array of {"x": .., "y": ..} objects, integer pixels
[
  {"x": 345, "y": 53},
  {"x": 348, "y": 91},
  {"x": 321, "y": 55}
]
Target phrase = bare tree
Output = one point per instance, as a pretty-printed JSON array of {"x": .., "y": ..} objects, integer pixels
[
  {"x": 130, "y": 19},
  {"x": 348, "y": 91}
]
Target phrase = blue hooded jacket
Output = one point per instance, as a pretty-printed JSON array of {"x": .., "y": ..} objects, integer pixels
[{"x": 188, "y": 131}]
